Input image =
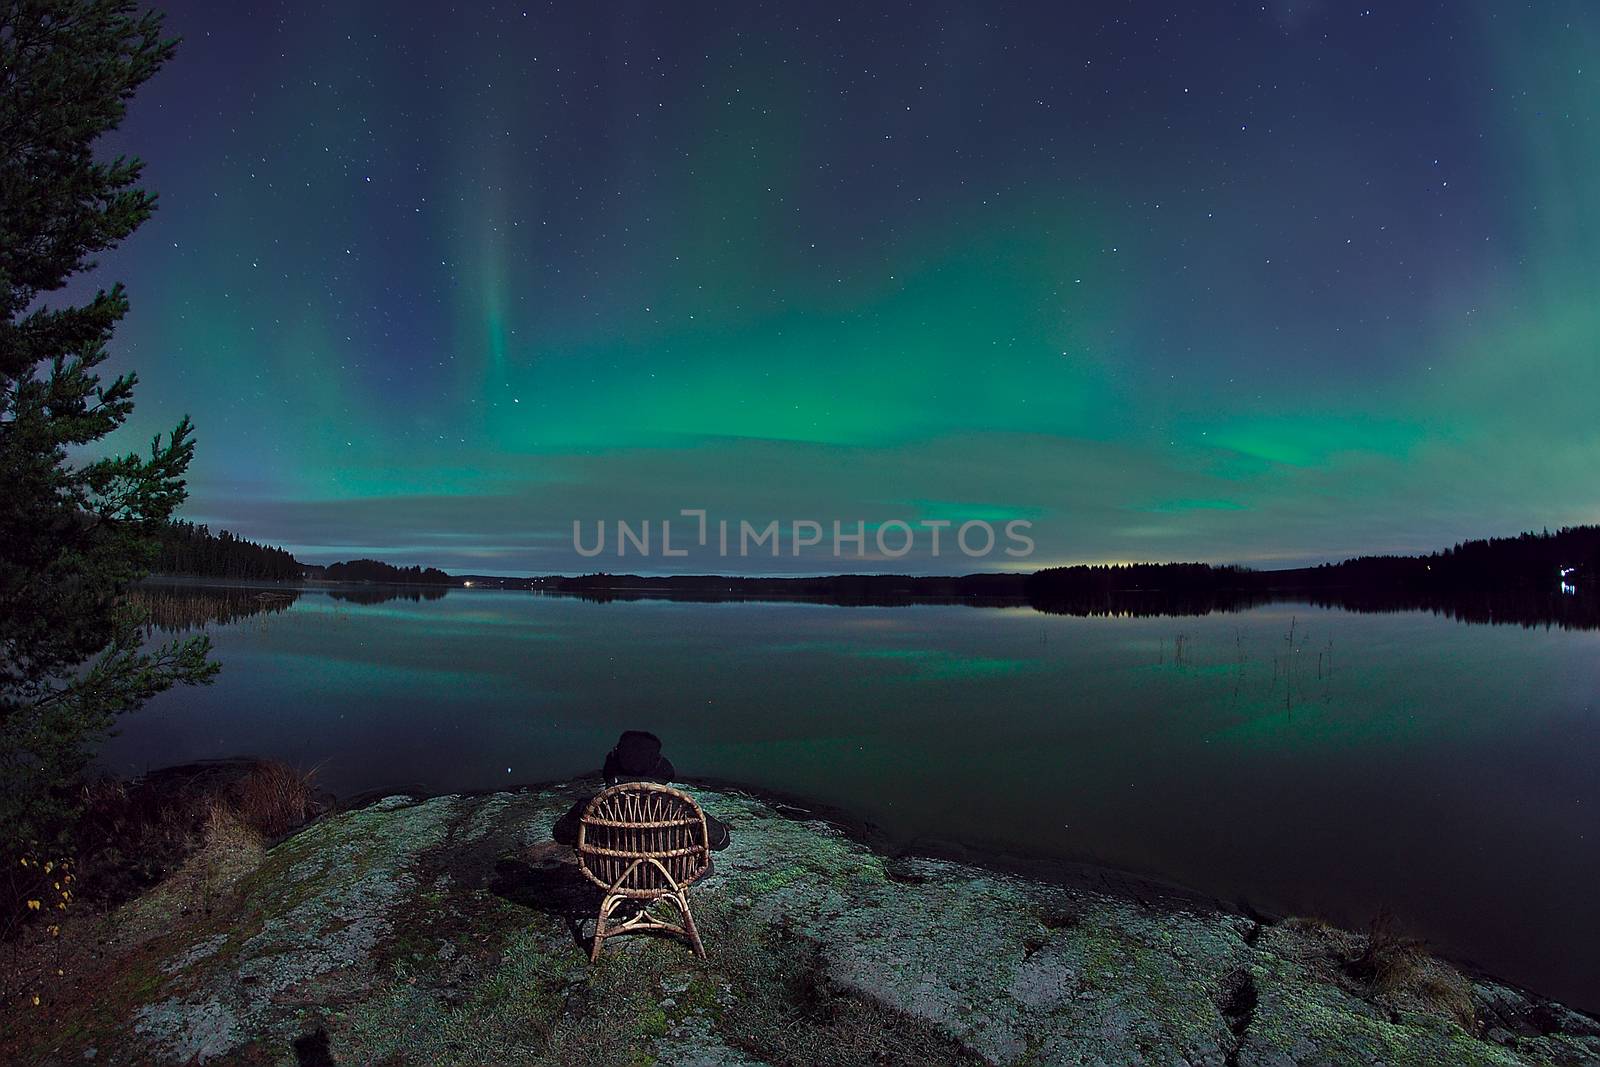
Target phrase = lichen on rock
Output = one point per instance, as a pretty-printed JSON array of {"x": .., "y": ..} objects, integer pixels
[{"x": 451, "y": 931}]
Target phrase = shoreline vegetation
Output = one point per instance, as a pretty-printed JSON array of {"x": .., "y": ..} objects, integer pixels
[{"x": 447, "y": 929}]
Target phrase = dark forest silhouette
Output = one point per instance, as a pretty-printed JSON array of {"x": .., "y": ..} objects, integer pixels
[
  {"x": 371, "y": 570},
  {"x": 1529, "y": 563},
  {"x": 1533, "y": 579},
  {"x": 187, "y": 549}
]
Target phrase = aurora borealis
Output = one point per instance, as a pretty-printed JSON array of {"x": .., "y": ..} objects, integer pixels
[{"x": 1262, "y": 283}]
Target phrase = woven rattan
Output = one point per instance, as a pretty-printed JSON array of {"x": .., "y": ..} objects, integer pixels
[{"x": 644, "y": 845}]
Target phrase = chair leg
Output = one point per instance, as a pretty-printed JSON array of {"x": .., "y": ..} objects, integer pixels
[
  {"x": 688, "y": 925},
  {"x": 603, "y": 928},
  {"x": 600, "y": 929}
]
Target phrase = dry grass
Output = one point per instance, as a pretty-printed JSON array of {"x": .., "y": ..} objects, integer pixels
[
  {"x": 1446, "y": 989},
  {"x": 275, "y": 798},
  {"x": 1390, "y": 967},
  {"x": 53, "y": 974},
  {"x": 133, "y": 833},
  {"x": 230, "y": 848},
  {"x": 175, "y": 843},
  {"x": 1399, "y": 968},
  {"x": 1391, "y": 960}
]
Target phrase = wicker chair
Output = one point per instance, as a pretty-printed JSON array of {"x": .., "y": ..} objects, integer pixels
[{"x": 643, "y": 844}]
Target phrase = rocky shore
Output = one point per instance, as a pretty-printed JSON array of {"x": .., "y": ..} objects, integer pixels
[{"x": 450, "y": 931}]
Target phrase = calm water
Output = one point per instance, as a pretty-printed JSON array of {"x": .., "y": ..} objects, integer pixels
[{"x": 1441, "y": 770}]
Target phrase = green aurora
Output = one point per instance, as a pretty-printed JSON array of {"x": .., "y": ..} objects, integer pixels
[{"x": 1263, "y": 285}]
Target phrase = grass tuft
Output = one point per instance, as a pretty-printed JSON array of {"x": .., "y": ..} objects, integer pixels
[{"x": 275, "y": 798}]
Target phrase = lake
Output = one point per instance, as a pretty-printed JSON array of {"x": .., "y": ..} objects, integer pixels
[{"x": 1294, "y": 758}]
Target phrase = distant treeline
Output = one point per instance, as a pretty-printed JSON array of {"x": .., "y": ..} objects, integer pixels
[
  {"x": 1529, "y": 563},
  {"x": 371, "y": 570},
  {"x": 191, "y": 550},
  {"x": 1534, "y": 562},
  {"x": 1541, "y": 579},
  {"x": 1532, "y": 565},
  {"x": 188, "y": 549},
  {"x": 1088, "y": 581}
]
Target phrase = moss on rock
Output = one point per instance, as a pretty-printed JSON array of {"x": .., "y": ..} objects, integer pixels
[{"x": 450, "y": 931}]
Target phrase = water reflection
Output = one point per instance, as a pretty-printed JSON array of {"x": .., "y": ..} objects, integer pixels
[
  {"x": 178, "y": 608},
  {"x": 380, "y": 594},
  {"x": 1501, "y": 608},
  {"x": 1566, "y": 612}
]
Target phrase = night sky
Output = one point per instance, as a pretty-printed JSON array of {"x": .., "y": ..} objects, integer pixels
[{"x": 1268, "y": 283}]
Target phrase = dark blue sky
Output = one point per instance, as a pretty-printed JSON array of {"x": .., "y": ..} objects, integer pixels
[{"x": 1236, "y": 282}]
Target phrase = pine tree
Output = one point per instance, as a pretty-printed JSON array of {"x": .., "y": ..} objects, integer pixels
[{"x": 73, "y": 533}]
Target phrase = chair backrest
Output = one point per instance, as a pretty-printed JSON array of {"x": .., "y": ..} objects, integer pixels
[{"x": 638, "y": 838}]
